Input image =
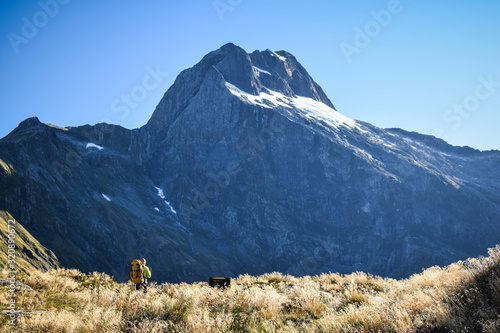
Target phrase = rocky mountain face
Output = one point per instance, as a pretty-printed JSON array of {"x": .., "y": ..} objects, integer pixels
[{"x": 246, "y": 167}]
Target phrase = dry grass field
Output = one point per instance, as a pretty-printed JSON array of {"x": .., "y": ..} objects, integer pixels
[{"x": 463, "y": 297}]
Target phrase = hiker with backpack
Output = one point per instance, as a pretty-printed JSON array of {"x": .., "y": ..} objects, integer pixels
[{"x": 140, "y": 273}]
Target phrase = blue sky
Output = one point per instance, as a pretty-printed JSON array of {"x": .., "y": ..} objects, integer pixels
[{"x": 426, "y": 66}]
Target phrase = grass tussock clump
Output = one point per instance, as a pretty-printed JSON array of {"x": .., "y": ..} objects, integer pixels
[{"x": 463, "y": 297}]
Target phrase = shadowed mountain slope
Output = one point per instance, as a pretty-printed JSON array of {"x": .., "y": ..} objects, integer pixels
[{"x": 246, "y": 167}]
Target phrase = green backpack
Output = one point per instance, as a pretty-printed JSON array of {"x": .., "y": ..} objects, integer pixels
[{"x": 136, "y": 272}]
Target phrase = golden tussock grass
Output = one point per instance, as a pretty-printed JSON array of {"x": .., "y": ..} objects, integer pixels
[{"x": 463, "y": 297}]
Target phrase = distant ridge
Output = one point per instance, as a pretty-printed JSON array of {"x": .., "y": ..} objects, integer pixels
[{"x": 247, "y": 167}]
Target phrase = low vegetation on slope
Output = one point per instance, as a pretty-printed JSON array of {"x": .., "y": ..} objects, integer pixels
[
  {"x": 26, "y": 253},
  {"x": 463, "y": 297}
]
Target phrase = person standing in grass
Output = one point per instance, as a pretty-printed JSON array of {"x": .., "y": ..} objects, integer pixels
[
  {"x": 146, "y": 273},
  {"x": 140, "y": 274}
]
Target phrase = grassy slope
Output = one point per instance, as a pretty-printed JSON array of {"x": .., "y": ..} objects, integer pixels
[
  {"x": 463, "y": 297},
  {"x": 30, "y": 254}
]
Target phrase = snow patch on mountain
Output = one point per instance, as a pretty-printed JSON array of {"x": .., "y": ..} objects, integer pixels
[
  {"x": 278, "y": 56},
  {"x": 266, "y": 100},
  {"x": 93, "y": 145},
  {"x": 160, "y": 193},
  {"x": 261, "y": 70},
  {"x": 321, "y": 111},
  {"x": 382, "y": 141},
  {"x": 238, "y": 92},
  {"x": 313, "y": 109},
  {"x": 170, "y": 206}
]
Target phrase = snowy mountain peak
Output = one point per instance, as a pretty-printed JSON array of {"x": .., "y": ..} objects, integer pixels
[
  {"x": 305, "y": 107},
  {"x": 253, "y": 73},
  {"x": 246, "y": 167}
]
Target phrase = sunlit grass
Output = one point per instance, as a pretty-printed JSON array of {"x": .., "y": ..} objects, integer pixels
[{"x": 461, "y": 297}]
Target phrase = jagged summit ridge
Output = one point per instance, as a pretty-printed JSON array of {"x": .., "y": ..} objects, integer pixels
[
  {"x": 277, "y": 71},
  {"x": 253, "y": 73}
]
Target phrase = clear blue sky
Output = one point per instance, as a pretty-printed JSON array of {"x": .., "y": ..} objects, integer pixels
[{"x": 421, "y": 65}]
